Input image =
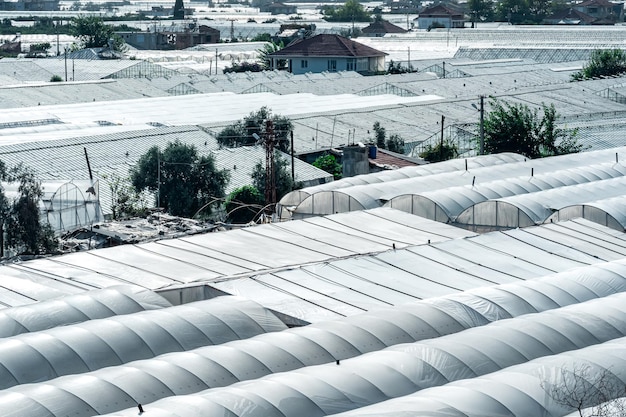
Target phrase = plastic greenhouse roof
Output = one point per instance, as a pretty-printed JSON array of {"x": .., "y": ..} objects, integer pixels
[
  {"x": 375, "y": 194},
  {"x": 89, "y": 305},
  {"x": 445, "y": 204},
  {"x": 192, "y": 109},
  {"x": 345, "y": 287},
  {"x": 325, "y": 342},
  {"x": 535, "y": 208},
  {"x": 94, "y": 344},
  {"x": 453, "y": 165},
  {"x": 201, "y": 258},
  {"x": 512, "y": 391},
  {"x": 404, "y": 369},
  {"x": 609, "y": 212}
]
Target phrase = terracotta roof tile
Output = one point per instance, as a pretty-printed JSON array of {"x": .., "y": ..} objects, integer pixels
[{"x": 328, "y": 45}]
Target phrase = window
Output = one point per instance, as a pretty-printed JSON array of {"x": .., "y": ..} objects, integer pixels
[
  {"x": 332, "y": 65},
  {"x": 304, "y": 63},
  {"x": 350, "y": 65}
]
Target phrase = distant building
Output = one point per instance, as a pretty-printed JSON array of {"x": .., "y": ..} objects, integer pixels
[
  {"x": 381, "y": 28},
  {"x": 330, "y": 53},
  {"x": 30, "y": 5},
  {"x": 440, "y": 15},
  {"x": 603, "y": 10},
  {"x": 279, "y": 8},
  {"x": 173, "y": 37},
  {"x": 569, "y": 17}
]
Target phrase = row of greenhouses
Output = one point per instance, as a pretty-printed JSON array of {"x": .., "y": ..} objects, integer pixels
[{"x": 484, "y": 196}]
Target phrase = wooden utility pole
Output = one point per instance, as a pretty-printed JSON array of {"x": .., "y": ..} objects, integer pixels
[{"x": 270, "y": 172}]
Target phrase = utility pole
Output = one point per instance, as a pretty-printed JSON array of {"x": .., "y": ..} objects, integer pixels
[
  {"x": 443, "y": 118},
  {"x": 481, "y": 147},
  {"x": 293, "y": 167},
  {"x": 270, "y": 172}
]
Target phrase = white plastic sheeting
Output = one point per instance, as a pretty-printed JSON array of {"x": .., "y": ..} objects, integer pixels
[
  {"x": 516, "y": 391},
  {"x": 349, "y": 286},
  {"x": 213, "y": 256},
  {"x": 322, "y": 201},
  {"x": 297, "y": 196},
  {"x": 66, "y": 205},
  {"x": 535, "y": 208},
  {"x": 90, "y": 305},
  {"x": 405, "y": 369},
  {"x": 445, "y": 204},
  {"x": 216, "y": 366},
  {"x": 83, "y": 347},
  {"x": 607, "y": 212}
]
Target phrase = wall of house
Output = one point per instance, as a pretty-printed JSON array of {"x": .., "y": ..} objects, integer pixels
[{"x": 317, "y": 65}]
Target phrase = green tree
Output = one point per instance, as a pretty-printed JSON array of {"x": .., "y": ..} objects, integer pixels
[
  {"x": 264, "y": 55},
  {"x": 328, "y": 163},
  {"x": 513, "y": 11},
  {"x": 517, "y": 128},
  {"x": 395, "y": 143},
  {"x": 284, "y": 182},
  {"x": 244, "y": 204},
  {"x": 188, "y": 182},
  {"x": 94, "y": 33},
  {"x": 242, "y": 132},
  {"x": 480, "y": 11},
  {"x": 602, "y": 63},
  {"x": 25, "y": 232},
  {"x": 126, "y": 202},
  {"x": 440, "y": 152},
  {"x": 351, "y": 11},
  {"x": 262, "y": 37},
  {"x": 380, "y": 135}
]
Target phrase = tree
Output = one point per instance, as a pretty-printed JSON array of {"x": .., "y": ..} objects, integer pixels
[
  {"x": 94, "y": 33},
  {"x": 328, "y": 163},
  {"x": 26, "y": 234},
  {"x": 351, "y": 11},
  {"x": 517, "y": 128},
  {"x": 480, "y": 10},
  {"x": 126, "y": 202},
  {"x": 602, "y": 63},
  {"x": 440, "y": 152},
  {"x": 244, "y": 204},
  {"x": 183, "y": 181},
  {"x": 264, "y": 56},
  {"x": 379, "y": 133},
  {"x": 586, "y": 391},
  {"x": 284, "y": 182},
  {"x": 242, "y": 132},
  {"x": 395, "y": 143}
]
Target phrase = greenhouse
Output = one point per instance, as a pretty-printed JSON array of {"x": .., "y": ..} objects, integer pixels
[
  {"x": 88, "y": 305},
  {"x": 404, "y": 369},
  {"x": 344, "y": 287},
  {"x": 607, "y": 212},
  {"x": 535, "y": 208},
  {"x": 445, "y": 204},
  {"x": 294, "y": 198},
  {"x": 66, "y": 205},
  {"x": 515, "y": 391},
  {"x": 322, "y": 200},
  {"x": 428, "y": 321},
  {"x": 83, "y": 347},
  {"x": 195, "y": 260}
]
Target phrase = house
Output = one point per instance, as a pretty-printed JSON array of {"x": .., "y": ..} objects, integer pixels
[
  {"x": 569, "y": 17},
  {"x": 278, "y": 8},
  {"x": 381, "y": 28},
  {"x": 601, "y": 9},
  {"x": 173, "y": 37},
  {"x": 327, "y": 52},
  {"x": 440, "y": 15}
]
